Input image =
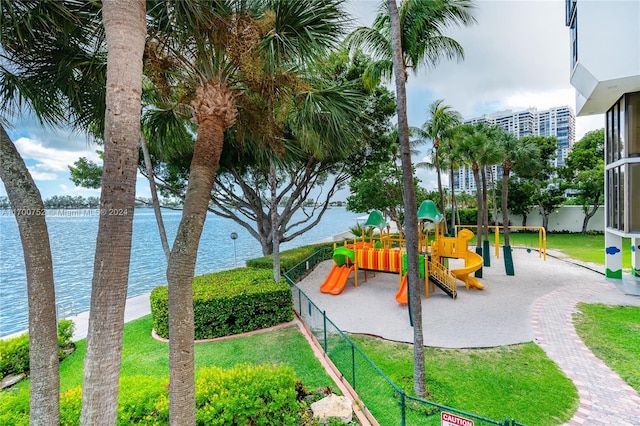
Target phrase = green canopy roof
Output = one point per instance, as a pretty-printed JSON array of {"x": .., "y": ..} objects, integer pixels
[
  {"x": 429, "y": 211},
  {"x": 376, "y": 219}
]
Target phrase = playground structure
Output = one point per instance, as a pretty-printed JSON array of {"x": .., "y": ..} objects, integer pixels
[{"x": 383, "y": 252}]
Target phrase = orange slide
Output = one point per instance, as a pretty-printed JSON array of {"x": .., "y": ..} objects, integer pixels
[
  {"x": 337, "y": 279},
  {"x": 402, "y": 295}
]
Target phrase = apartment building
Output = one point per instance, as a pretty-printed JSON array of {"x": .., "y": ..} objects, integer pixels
[
  {"x": 605, "y": 71},
  {"x": 558, "y": 121}
]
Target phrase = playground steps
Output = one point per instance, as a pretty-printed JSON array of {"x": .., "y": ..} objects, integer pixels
[{"x": 442, "y": 277}]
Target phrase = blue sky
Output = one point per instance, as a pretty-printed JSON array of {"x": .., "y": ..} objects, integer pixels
[{"x": 516, "y": 57}]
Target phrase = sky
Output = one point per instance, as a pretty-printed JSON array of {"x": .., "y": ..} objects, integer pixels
[{"x": 516, "y": 57}]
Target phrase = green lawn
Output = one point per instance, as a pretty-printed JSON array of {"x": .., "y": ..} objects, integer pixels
[
  {"x": 516, "y": 381},
  {"x": 588, "y": 248},
  {"x": 613, "y": 335},
  {"x": 141, "y": 354}
]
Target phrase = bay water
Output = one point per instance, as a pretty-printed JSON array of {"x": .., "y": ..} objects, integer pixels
[{"x": 73, "y": 233}]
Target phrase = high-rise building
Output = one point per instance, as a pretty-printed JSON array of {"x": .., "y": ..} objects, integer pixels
[
  {"x": 559, "y": 122},
  {"x": 605, "y": 70}
]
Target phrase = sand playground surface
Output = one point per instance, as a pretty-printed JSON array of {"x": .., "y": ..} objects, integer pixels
[{"x": 501, "y": 314}]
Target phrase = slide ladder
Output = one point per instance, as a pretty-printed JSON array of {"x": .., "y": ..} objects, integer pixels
[{"x": 442, "y": 277}]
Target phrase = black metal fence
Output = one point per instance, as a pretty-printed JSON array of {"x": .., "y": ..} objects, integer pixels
[{"x": 386, "y": 401}]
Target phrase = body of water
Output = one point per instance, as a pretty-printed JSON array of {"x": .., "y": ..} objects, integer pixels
[{"x": 73, "y": 238}]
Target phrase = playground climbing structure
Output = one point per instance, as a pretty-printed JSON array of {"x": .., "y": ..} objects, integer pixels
[{"x": 379, "y": 251}]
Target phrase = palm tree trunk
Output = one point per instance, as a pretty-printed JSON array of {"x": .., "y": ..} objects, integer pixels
[
  {"x": 410, "y": 206},
  {"x": 505, "y": 210},
  {"x": 443, "y": 203},
  {"x": 485, "y": 204},
  {"x": 214, "y": 110},
  {"x": 453, "y": 200},
  {"x": 476, "y": 178},
  {"x": 275, "y": 222},
  {"x": 125, "y": 29},
  {"x": 154, "y": 198},
  {"x": 28, "y": 209},
  {"x": 485, "y": 215},
  {"x": 181, "y": 268}
]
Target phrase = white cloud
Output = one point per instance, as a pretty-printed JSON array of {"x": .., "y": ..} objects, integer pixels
[{"x": 47, "y": 163}]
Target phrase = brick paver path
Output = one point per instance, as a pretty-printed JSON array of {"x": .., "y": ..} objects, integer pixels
[{"x": 604, "y": 398}]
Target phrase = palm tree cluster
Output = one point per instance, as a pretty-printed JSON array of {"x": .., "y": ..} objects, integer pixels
[{"x": 479, "y": 146}]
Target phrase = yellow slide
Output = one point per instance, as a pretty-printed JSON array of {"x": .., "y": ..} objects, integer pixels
[{"x": 472, "y": 262}]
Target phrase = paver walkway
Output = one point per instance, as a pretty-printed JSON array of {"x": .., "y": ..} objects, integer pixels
[{"x": 604, "y": 398}]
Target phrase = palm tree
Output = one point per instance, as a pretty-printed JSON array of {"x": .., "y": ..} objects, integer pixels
[
  {"x": 514, "y": 152},
  {"x": 125, "y": 32},
  {"x": 43, "y": 343},
  {"x": 488, "y": 154},
  {"x": 441, "y": 120},
  {"x": 410, "y": 213},
  {"x": 212, "y": 51},
  {"x": 399, "y": 40},
  {"x": 46, "y": 68},
  {"x": 451, "y": 160},
  {"x": 477, "y": 149}
]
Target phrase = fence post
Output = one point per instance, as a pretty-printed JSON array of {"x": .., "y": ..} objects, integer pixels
[
  {"x": 403, "y": 420},
  {"x": 324, "y": 318},
  {"x": 353, "y": 366},
  {"x": 300, "y": 301}
]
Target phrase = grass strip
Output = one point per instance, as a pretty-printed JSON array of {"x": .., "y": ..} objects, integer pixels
[{"x": 612, "y": 333}]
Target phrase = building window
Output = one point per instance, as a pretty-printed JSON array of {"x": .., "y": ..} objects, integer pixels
[
  {"x": 633, "y": 124},
  {"x": 634, "y": 197},
  {"x": 622, "y": 145}
]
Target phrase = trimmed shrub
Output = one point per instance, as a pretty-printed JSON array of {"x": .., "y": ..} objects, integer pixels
[
  {"x": 142, "y": 400},
  {"x": 247, "y": 395},
  {"x": 14, "y": 406},
  {"x": 290, "y": 258},
  {"x": 14, "y": 353},
  {"x": 229, "y": 302}
]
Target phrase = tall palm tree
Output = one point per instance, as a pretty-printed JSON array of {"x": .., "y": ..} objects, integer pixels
[
  {"x": 441, "y": 121},
  {"x": 451, "y": 160},
  {"x": 212, "y": 50},
  {"x": 422, "y": 27},
  {"x": 514, "y": 152},
  {"x": 477, "y": 149},
  {"x": 49, "y": 66},
  {"x": 43, "y": 343},
  {"x": 125, "y": 32},
  {"x": 410, "y": 213},
  {"x": 410, "y": 37}
]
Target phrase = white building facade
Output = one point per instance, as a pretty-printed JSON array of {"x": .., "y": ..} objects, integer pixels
[
  {"x": 559, "y": 122},
  {"x": 605, "y": 70}
]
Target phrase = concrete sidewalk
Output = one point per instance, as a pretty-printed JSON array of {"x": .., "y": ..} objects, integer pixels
[{"x": 136, "y": 307}]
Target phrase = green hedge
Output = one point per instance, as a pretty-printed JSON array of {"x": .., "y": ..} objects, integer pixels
[
  {"x": 229, "y": 302},
  {"x": 14, "y": 353},
  {"x": 289, "y": 258},
  {"x": 242, "y": 395}
]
